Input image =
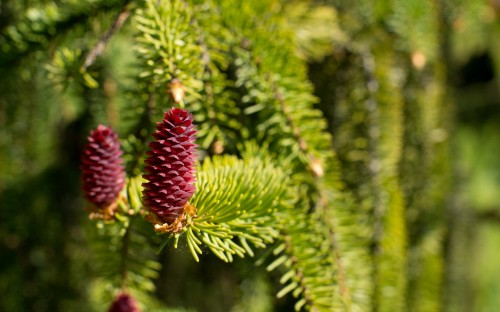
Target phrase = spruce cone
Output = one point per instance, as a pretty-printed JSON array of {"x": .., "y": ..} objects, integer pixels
[
  {"x": 103, "y": 174},
  {"x": 169, "y": 166},
  {"x": 124, "y": 303}
]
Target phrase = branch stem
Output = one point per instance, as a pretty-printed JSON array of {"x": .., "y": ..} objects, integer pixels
[
  {"x": 101, "y": 44},
  {"x": 124, "y": 256}
]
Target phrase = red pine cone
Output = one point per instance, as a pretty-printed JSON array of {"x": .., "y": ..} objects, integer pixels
[
  {"x": 169, "y": 166},
  {"x": 124, "y": 303},
  {"x": 103, "y": 174}
]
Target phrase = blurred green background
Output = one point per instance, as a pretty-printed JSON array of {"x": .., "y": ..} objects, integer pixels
[{"x": 44, "y": 261}]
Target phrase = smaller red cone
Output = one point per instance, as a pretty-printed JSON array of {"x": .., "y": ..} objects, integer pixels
[
  {"x": 103, "y": 174},
  {"x": 124, "y": 303}
]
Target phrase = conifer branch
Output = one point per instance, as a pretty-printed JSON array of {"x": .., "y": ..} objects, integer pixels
[
  {"x": 271, "y": 102},
  {"x": 306, "y": 292},
  {"x": 208, "y": 86},
  {"x": 374, "y": 167},
  {"x": 306, "y": 257},
  {"x": 21, "y": 40},
  {"x": 314, "y": 166},
  {"x": 389, "y": 232},
  {"x": 227, "y": 207},
  {"x": 235, "y": 67},
  {"x": 167, "y": 44},
  {"x": 341, "y": 272},
  {"x": 216, "y": 113},
  {"x": 374, "y": 138}
]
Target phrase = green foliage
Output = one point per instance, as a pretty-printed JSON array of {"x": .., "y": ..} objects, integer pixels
[
  {"x": 124, "y": 252},
  {"x": 168, "y": 46},
  {"x": 422, "y": 37},
  {"x": 389, "y": 218},
  {"x": 65, "y": 68},
  {"x": 236, "y": 199},
  {"x": 469, "y": 21},
  {"x": 350, "y": 244},
  {"x": 308, "y": 264},
  {"x": 45, "y": 22},
  {"x": 316, "y": 28},
  {"x": 343, "y": 191}
]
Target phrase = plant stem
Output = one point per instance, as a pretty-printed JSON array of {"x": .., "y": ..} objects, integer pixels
[
  {"x": 124, "y": 255},
  {"x": 101, "y": 45}
]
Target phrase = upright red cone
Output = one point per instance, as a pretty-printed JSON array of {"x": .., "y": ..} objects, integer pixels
[
  {"x": 124, "y": 303},
  {"x": 103, "y": 173},
  {"x": 170, "y": 167}
]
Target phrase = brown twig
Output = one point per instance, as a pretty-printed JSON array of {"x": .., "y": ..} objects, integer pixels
[{"x": 101, "y": 45}]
